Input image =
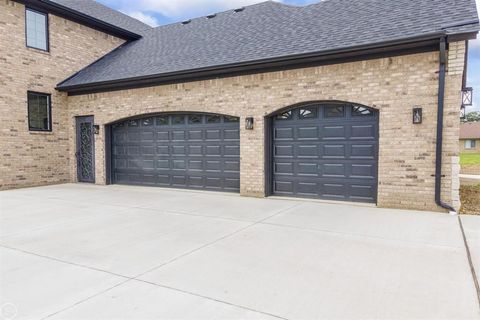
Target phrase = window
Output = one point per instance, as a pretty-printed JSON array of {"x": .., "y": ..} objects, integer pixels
[
  {"x": 213, "y": 119},
  {"x": 162, "y": 121},
  {"x": 334, "y": 111},
  {"x": 231, "y": 119},
  {"x": 36, "y": 26},
  {"x": 358, "y": 111},
  {"x": 178, "y": 120},
  {"x": 308, "y": 113},
  {"x": 133, "y": 123},
  {"x": 285, "y": 116},
  {"x": 39, "y": 112},
  {"x": 194, "y": 119},
  {"x": 147, "y": 122},
  {"x": 470, "y": 144}
]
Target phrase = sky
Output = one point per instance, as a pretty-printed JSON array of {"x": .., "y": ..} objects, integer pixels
[{"x": 160, "y": 12}]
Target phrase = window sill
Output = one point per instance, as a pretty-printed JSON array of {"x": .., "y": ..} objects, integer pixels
[
  {"x": 47, "y": 53},
  {"x": 41, "y": 132}
]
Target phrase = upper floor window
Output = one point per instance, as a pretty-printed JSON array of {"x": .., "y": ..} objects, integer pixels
[
  {"x": 39, "y": 112},
  {"x": 36, "y": 29}
]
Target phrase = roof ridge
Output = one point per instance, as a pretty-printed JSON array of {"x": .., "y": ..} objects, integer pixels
[
  {"x": 124, "y": 14},
  {"x": 269, "y": 2}
]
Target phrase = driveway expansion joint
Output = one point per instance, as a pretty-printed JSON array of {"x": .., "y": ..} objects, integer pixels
[{"x": 470, "y": 261}]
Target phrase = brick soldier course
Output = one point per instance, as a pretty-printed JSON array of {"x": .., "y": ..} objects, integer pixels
[{"x": 393, "y": 85}]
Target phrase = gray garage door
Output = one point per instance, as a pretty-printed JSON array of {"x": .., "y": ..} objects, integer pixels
[
  {"x": 326, "y": 151},
  {"x": 194, "y": 151}
]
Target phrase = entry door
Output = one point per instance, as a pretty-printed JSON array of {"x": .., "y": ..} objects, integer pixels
[{"x": 85, "y": 152}]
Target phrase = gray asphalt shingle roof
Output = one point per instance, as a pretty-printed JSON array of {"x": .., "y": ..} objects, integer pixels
[
  {"x": 99, "y": 11},
  {"x": 271, "y": 29}
]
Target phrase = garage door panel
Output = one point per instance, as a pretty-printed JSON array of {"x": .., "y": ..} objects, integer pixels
[
  {"x": 232, "y": 166},
  {"x": 285, "y": 187},
  {"x": 334, "y": 190},
  {"x": 334, "y": 170},
  {"x": 363, "y": 151},
  {"x": 179, "y": 165},
  {"x": 179, "y": 150},
  {"x": 195, "y": 150},
  {"x": 307, "y": 188},
  {"x": 179, "y": 181},
  {"x": 284, "y": 168},
  {"x": 333, "y": 132},
  {"x": 120, "y": 137},
  {"x": 184, "y": 151},
  {"x": 213, "y": 135},
  {"x": 283, "y": 151},
  {"x": 178, "y": 135},
  {"x": 213, "y": 165},
  {"x": 307, "y": 133},
  {"x": 363, "y": 171},
  {"x": 365, "y": 192},
  {"x": 163, "y": 136},
  {"x": 196, "y": 182},
  {"x": 163, "y": 164},
  {"x": 147, "y": 136},
  {"x": 231, "y": 184},
  {"x": 213, "y": 150},
  {"x": 334, "y": 151},
  {"x": 231, "y": 151},
  {"x": 283, "y": 133},
  {"x": 196, "y": 165},
  {"x": 147, "y": 150},
  {"x": 363, "y": 132},
  {"x": 307, "y": 169},
  {"x": 195, "y": 135},
  {"x": 326, "y": 154},
  {"x": 163, "y": 180},
  {"x": 232, "y": 135},
  {"x": 133, "y": 136},
  {"x": 307, "y": 151}
]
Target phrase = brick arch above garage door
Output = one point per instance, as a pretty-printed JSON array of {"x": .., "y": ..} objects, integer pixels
[
  {"x": 325, "y": 150},
  {"x": 179, "y": 150}
]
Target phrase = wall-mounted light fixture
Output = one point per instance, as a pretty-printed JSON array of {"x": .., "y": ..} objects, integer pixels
[
  {"x": 417, "y": 115},
  {"x": 249, "y": 123},
  {"x": 96, "y": 129},
  {"x": 467, "y": 96}
]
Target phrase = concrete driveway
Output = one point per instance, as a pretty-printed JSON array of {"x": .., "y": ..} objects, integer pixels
[{"x": 116, "y": 252}]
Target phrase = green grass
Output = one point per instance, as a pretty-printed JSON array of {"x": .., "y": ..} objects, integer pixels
[{"x": 469, "y": 158}]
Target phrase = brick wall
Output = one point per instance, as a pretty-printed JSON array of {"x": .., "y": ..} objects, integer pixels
[
  {"x": 392, "y": 85},
  {"x": 29, "y": 158}
]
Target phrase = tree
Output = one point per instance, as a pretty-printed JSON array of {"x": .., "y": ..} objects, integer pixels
[{"x": 472, "y": 116}]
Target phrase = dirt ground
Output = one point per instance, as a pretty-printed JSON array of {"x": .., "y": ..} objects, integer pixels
[{"x": 470, "y": 197}]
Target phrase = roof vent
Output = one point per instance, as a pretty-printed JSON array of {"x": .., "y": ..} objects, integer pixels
[
  {"x": 239, "y": 10},
  {"x": 211, "y": 16},
  {"x": 186, "y": 22}
]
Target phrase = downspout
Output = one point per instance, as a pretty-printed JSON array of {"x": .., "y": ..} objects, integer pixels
[{"x": 439, "y": 150}]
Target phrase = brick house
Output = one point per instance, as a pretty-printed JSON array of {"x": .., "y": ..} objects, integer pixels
[
  {"x": 470, "y": 137},
  {"x": 340, "y": 100}
]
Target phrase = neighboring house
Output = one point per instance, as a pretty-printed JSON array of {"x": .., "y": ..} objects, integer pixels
[
  {"x": 316, "y": 101},
  {"x": 470, "y": 137}
]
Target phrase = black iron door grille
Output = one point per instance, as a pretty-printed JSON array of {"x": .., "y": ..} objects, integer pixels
[{"x": 85, "y": 150}]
